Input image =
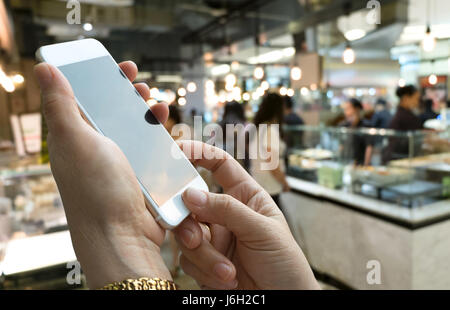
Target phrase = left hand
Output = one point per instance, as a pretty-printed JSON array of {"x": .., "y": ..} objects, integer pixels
[{"x": 114, "y": 235}]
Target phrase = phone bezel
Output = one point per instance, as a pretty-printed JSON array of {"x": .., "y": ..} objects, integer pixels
[{"x": 173, "y": 211}]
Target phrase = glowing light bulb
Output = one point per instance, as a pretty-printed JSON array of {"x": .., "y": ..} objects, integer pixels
[
  {"x": 231, "y": 79},
  {"x": 88, "y": 27},
  {"x": 432, "y": 79},
  {"x": 401, "y": 83},
  {"x": 182, "y": 101},
  {"x": 265, "y": 85},
  {"x": 191, "y": 87},
  {"x": 181, "y": 92},
  {"x": 283, "y": 91},
  {"x": 429, "y": 42},
  {"x": 209, "y": 84},
  {"x": 18, "y": 79},
  {"x": 304, "y": 91},
  {"x": 246, "y": 96},
  {"x": 234, "y": 65},
  {"x": 349, "y": 56},
  {"x": 258, "y": 73},
  {"x": 290, "y": 92},
  {"x": 296, "y": 73}
]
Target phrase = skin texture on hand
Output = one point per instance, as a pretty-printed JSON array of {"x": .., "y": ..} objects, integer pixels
[
  {"x": 114, "y": 235},
  {"x": 247, "y": 243}
]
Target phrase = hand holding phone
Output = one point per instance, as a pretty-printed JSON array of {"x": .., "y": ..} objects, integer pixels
[
  {"x": 113, "y": 107},
  {"x": 113, "y": 234}
]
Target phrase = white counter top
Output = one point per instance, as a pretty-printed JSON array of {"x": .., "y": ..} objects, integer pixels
[
  {"x": 32, "y": 253},
  {"x": 414, "y": 215}
]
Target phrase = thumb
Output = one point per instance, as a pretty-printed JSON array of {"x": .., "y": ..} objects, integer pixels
[
  {"x": 227, "y": 211},
  {"x": 58, "y": 101}
]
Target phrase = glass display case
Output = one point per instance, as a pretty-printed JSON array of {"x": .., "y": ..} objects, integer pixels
[
  {"x": 30, "y": 192},
  {"x": 409, "y": 169}
]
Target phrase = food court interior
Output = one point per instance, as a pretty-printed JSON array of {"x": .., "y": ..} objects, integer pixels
[{"x": 368, "y": 181}]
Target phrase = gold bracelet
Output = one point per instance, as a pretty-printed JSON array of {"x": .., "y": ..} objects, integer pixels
[{"x": 143, "y": 284}]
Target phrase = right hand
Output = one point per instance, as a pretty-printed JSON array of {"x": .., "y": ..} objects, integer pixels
[{"x": 247, "y": 243}]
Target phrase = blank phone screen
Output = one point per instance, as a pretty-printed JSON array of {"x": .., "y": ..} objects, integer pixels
[{"x": 122, "y": 115}]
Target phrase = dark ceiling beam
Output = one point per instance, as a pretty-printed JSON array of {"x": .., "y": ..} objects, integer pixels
[{"x": 219, "y": 22}]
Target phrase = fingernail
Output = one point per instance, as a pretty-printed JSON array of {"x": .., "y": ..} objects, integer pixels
[
  {"x": 43, "y": 74},
  {"x": 186, "y": 237},
  {"x": 196, "y": 197},
  {"x": 223, "y": 271}
]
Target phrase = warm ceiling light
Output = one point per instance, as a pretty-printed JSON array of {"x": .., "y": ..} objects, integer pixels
[
  {"x": 6, "y": 82},
  {"x": 182, "y": 101},
  {"x": 255, "y": 96},
  {"x": 296, "y": 73},
  {"x": 209, "y": 84},
  {"x": 258, "y": 73},
  {"x": 246, "y": 96},
  {"x": 355, "y": 34},
  {"x": 401, "y": 83},
  {"x": 313, "y": 87},
  {"x": 181, "y": 92},
  {"x": 432, "y": 79},
  {"x": 290, "y": 92},
  {"x": 349, "y": 55},
  {"x": 260, "y": 91},
  {"x": 283, "y": 91},
  {"x": 191, "y": 87},
  {"x": 18, "y": 79},
  {"x": 231, "y": 79},
  {"x": 208, "y": 57},
  {"x": 429, "y": 42},
  {"x": 265, "y": 85},
  {"x": 88, "y": 27},
  {"x": 304, "y": 91}
]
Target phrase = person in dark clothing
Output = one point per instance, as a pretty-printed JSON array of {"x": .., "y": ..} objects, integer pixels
[
  {"x": 382, "y": 117},
  {"x": 359, "y": 147},
  {"x": 428, "y": 111},
  {"x": 290, "y": 117},
  {"x": 292, "y": 138},
  {"x": 404, "y": 120}
]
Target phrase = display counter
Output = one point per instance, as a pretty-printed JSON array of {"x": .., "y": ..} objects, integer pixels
[{"x": 357, "y": 222}]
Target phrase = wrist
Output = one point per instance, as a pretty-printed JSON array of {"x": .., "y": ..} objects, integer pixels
[{"x": 109, "y": 257}]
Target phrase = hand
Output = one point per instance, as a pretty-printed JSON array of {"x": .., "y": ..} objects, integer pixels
[
  {"x": 114, "y": 235},
  {"x": 247, "y": 243}
]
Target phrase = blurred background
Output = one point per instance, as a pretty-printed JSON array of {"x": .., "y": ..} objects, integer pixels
[{"x": 360, "y": 89}]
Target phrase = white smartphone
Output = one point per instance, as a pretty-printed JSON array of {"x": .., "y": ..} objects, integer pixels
[{"x": 111, "y": 104}]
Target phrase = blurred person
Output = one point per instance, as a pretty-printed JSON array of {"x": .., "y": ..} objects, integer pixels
[
  {"x": 292, "y": 138},
  {"x": 234, "y": 114},
  {"x": 360, "y": 147},
  {"x": 116, "y": 238},
  {"x": 290, "y": 117},
  {"x": 428, "y": 112},
  {"x": 270, "y": 113},
  {"x": 382, "y": 117},
  {"x": 404, "y": 120}
]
